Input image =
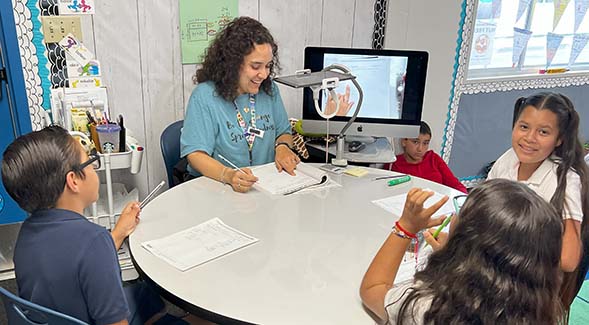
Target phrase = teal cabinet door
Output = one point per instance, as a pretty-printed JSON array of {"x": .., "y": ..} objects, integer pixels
[{"x": 14, "y": 111}]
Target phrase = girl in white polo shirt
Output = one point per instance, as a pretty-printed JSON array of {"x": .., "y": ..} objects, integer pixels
[{"x": 547, "y": 155}]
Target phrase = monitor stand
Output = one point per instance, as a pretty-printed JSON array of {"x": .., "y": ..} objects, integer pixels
[
  {"x": 360, "y": 138},
  {"x": 379, "y": 151}
]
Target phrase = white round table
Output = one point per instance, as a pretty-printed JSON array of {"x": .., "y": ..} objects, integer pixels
[{"x": 307, "y": 266}]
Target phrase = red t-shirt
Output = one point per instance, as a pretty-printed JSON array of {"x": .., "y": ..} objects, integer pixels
[{"x": 432, "y": 168}]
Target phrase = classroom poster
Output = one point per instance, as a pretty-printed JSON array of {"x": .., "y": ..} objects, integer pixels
[
  {"x": 520, "y": 42},
  {"x": 559, "y": 8},
  {"x": 579, "y": 42},
  {"x": 200, "y": 21},
  {"x": 482, "y": 48},
  {"x": 76, "y": 7},
  {"x": 580, "y": 11},
  {"x": 552, "y": 43}
]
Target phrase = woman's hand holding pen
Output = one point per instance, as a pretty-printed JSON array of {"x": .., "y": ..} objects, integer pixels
[
  {"x": 286, "y": 160},
  {"x": 241, "y": 180},
  {"x": 415, "y": 217},
  {"x": 435, "y": 243}
]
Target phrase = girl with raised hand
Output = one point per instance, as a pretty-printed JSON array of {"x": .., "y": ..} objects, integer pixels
[{"x": 499, "y": 266}]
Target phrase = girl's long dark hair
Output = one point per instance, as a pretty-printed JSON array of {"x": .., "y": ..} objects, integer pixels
[
  {"x": 570, "y": 158},
  {"x": 501, "y": 264},
  {"x": 224, "y": 57}
]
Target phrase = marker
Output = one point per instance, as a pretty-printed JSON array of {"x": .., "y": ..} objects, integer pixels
[
  {"x": 444, "y": 224},
  {"x": 439, "y": 230},
  {"x": 151, "y": 194},
  {"x": 400, "y": 180},
  {"x": 232, "y": 164},
  {"x": 387, "y": 177},
  {"x": 551, "y": 71}
]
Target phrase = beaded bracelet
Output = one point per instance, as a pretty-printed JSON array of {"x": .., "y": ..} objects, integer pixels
[
  {"x": 405, "y": 232},
  {"x": 400, "y": 234}
]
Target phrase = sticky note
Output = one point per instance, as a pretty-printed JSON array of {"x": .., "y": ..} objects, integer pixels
[{"x": 356, "y": 171}]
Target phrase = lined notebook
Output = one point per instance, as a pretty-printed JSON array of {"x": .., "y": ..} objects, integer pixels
[{"x": 273, "y": 182}]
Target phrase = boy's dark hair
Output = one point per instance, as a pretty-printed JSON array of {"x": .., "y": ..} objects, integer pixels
[
  {"x": 35, "y": 165},
  {"x": 224, "y": 57},
  {"x": 425, "y": 129}
]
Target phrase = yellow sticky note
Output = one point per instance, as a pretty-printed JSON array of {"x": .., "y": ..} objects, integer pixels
[{"x": 356, "y": 171}]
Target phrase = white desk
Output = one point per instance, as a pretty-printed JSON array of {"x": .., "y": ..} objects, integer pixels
[{"x": 307, "y": 267}]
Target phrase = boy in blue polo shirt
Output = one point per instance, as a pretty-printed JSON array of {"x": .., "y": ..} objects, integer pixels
[{"x": 63, "y": 261}]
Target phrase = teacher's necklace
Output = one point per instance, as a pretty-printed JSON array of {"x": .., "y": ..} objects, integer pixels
[{"x": 249, "y": 137}]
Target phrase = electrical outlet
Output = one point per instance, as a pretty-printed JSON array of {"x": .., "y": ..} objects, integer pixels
[{"x": 55, "y": 28}]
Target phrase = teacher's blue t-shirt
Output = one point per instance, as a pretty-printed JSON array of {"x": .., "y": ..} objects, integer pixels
[{"x": 211, "y": 125}]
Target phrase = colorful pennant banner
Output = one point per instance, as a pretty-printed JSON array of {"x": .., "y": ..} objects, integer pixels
[
  {"x": 520, "y": 42},
  {"x": 552, "y": 43}
]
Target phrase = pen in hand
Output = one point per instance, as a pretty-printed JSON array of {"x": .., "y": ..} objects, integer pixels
[
  {"x": 442, "y": 226},
  {"x": 232, "y": 164},
  {"x": 151, "y": 195}
]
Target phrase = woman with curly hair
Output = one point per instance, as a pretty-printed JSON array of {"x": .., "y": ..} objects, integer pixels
[
  {"x": 236, "y": 110},
  {"x": 500, "y": 264}
]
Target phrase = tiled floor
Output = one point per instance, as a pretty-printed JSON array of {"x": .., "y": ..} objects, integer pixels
[
  {"x": 579, "y": 309},
  {"x": 10, "y": 285}
]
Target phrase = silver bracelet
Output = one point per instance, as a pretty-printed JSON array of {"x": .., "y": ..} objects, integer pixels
[{"x": 222, "y": 176}]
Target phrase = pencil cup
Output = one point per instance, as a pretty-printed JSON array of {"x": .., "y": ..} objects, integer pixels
[
  {"x": 108, "y": 135},
  {"x": 136, "y": 157}
]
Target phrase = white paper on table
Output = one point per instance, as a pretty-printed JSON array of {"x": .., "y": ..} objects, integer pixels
[
  {"x": 274, "y": 182},
  {"x": 199, "y": 244},
  {"x": 395, "y": 204},
  {"x": 409, "y": 265}
]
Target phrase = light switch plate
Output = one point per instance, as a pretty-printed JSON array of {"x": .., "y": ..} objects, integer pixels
[{"x": 55, "y": 28}]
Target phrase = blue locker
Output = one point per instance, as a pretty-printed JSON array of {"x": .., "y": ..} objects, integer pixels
[{"x": 14, "y": 111}]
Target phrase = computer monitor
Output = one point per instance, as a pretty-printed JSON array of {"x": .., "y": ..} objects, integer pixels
[{"x": 393, "y": 83}]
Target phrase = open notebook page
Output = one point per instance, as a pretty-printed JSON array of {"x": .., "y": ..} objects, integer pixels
[{"x": 274, "y": 182}]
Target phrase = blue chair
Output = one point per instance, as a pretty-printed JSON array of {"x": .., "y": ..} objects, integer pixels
[
  {"x": 170, "y": 145},
  {"x": 23, "y": 312}
]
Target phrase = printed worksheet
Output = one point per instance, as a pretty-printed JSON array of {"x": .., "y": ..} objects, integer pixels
[
  {"x": 199, "y": 244},
  {"x": 395, "y": 204}
]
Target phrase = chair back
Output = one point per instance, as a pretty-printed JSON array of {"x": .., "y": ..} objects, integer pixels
[
  {"x": 23, "y": 312},
  {"x": 170, "y": 145}
]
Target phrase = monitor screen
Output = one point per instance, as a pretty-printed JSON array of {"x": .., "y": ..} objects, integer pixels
[{"x": 393, "y": 84}]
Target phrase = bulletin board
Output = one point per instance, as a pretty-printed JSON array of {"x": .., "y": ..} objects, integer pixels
[{"x": 200, "y": 21}]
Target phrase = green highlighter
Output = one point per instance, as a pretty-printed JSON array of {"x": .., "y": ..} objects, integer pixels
[
  {"x": 444, "y": 224},
  {"x": 399, "y": 180},
  {"x": 458, "y": 202}
]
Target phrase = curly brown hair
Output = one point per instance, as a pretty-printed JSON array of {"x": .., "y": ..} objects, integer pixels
[{"x": 224, "y": 57}]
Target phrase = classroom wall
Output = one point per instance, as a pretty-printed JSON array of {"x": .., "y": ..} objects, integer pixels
[
  {"x": 137, "y": 43},
  {"x": 483, "y": 126},
  {"x": 475, "y": 128},
  {"x": 432, "y": 27}
]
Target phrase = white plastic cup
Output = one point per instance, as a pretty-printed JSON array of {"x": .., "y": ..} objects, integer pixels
[{"x": 108, "y": 135}]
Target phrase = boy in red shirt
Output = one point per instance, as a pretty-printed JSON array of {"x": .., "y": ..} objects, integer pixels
[{"x": 418, "y": 161}]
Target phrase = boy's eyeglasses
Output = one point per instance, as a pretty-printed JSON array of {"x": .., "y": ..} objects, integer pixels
[
  {"x": 93, "y": 159},
  {"x": 458, "y": 201}
]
